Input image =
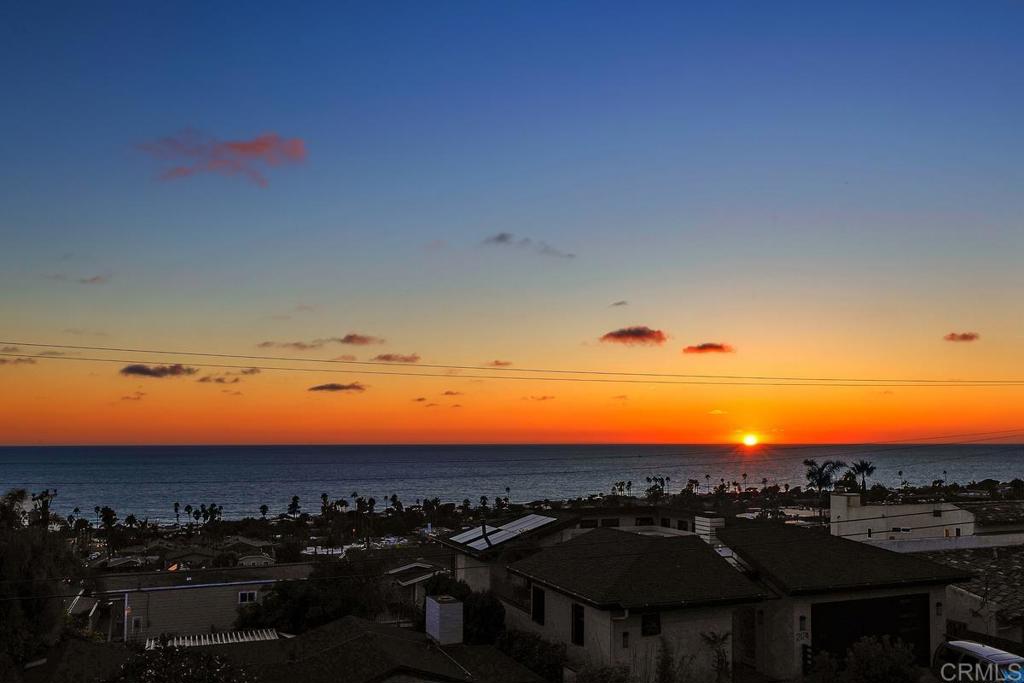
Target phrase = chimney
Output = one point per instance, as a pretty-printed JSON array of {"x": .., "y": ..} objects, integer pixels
[
  {"x": 707, "y": 527},
  {"x": 444, "y": 619}
]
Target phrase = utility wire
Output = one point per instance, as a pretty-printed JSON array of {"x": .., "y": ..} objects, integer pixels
[
  {"x": 534, "y": 378},
  {"x": 506, "y": 369}
]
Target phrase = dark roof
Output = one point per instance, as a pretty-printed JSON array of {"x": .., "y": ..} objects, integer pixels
[
  {"x": 202, "y": 577},
  {"x": 613, "y": 568},
  {"x": 394, "y": 557},
  {"x": 358, "y": 651},
  {"x": 998, "y": 576},
  {"x": 993, "y": 513},
  {"x": 78, "y": 661},
  {"x": 801, "y": 560}
]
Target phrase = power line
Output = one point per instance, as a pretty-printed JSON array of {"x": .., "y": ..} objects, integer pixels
[
  {"x": 900, "y": 382},
  {"x": 136, "y": 361}
]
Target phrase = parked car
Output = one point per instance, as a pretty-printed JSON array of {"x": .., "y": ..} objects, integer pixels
[{"x": 963, "y": 661}]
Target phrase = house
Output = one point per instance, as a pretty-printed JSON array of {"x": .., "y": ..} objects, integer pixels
[
  {"x": 927, "y": 526},
  {"x": 190, "y": 557},
  {"x": 827, "y": 593},
  {"x": 614, "y": 596},
  {"x": 243, "y": 545},
  {"x": 349, "y": 650},
  {"x": 850, "y": 517},
  {"x": 483, "y": 552},
  {"x": 989, "y": 607},
  {"x": 255, "y": 560},
  {"x": 151, "y": 604}
]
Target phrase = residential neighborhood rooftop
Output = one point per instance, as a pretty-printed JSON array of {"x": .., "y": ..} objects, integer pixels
[
  {"x": 608, "y": 567},
  {"x": 998, "y": 576},
  {"x": 801, "y": 560},
  {"x": 112, "y": 583}
]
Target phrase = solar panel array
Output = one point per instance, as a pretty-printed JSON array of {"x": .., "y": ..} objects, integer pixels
[{"x": 477, "y": 540}]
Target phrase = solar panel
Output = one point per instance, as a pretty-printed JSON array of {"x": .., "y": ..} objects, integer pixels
[
  {"x": 528, "y": 522},
  {"x": 510, "y": 531},
  {"x": 473, "y": 533}
]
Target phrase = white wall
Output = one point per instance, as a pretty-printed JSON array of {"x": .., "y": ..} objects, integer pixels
[{"x": 849, "y": 518}]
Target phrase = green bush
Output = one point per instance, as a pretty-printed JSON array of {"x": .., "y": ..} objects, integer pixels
[
  {"x": 543, "y": 658},
  {"x": 869, "y": 660}
]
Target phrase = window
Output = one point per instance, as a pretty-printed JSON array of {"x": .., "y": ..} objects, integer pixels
[
  {"x": 803, "y": 623},
  {"x": 577, "y": 624},
  {"x": 682, "y": 525},
  {"x": 613, "y": 521},
  {"x": 625, "y": 640},
  {"x": 938, "y": 609},
  {"x": 666, "y": 522},
  {"x": 136, "y": 623},
  {"x": 869, "y": 532},
  {"x": 958, "y": 531},
  {"x": 537, "y": 605},
  {"x": 650, "y": 624},
  {"x": 245, "y": 597},
  {"x": 588, "y": 523},
  {"x": 937, "y": 513},
  {"x": 645, "y": 521}
]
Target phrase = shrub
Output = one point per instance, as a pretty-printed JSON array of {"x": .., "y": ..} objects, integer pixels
[
  {"x": 603, "y": 674},
  {"x": 869, "y": 660},
  {"x": 543, "y": 658}
]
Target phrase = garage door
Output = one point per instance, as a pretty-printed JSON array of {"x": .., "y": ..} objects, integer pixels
[{"x": 835, "y": 626}]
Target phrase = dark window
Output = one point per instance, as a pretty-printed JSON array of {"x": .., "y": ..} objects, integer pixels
[
  {"x": 625, "y": 640},
  {"x": 612, "y": 521},
  {"x": 665, "y": 521},
  {"x": 682, "y": 525},
  {"x": 936, "y": 513},
  {"x": 869, "y": 533},
  {"x": 588, "y": 523},
  {"x": 577, "y": 624},
  {"x": 537, "y": 605},
  {"x": 650, "y": 624},
  {"x": 958, "y": 531},
  {"x": 803, "y": 623},
  {"x": 245, "y": 597},
  {"x": 645, "y": 521}
]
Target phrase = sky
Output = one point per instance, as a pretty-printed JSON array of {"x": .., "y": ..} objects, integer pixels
[{"x": 786, "y": 189}]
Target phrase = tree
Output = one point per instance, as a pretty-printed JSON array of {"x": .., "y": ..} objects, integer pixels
[
  {"x": 41, "y": 503},
  {"x": 108, "y": 518},
  {"x": 33, "y": 566},
  {"x": 177, "y": 513},
  {"x": 264, "y": 510},
  {"x": 12, "y": 509},
  {"x": 821, "y": 477},
  {"x": 293, "y": 507},
  {"x": 716, "y": 642},
  {"x": 863, "y": 469},
  {"x": 180, "y": 665}
]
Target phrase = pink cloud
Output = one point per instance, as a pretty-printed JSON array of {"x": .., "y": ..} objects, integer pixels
[
  {"x": 709, "y": 347},
  {"x": 962, "y": 336},
  {"x": 193, "y": 153},
  {"x": 638, "y": 334}
]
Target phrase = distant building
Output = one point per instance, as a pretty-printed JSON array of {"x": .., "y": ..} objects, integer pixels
[{"x": 148, "y": 605}]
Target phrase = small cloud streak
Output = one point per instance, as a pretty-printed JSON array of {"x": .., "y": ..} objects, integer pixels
[
  {"x": 621, "y": 302},
  {"x": 452, "y": 393},
  {"x": 962, "y": 337},
  {"x": 354, "y": 387},
  {"x": 91, "y": 280},
  {"x": 351, "y": 339},
  {"x": 158, "y": 371},
  {"x": 636, "y": 335},
  {"x": 136, "y": 396},
  {"x": 10, "y": 349},
  {"x": 218, "y": 379},
  {"x": 507, "y": 239},
  {"x": 709, "y": 347},
  {"x": 539, "y": 398},
  {"x": 498, "y": 363},
  {"x": 193, "y": 153},
  {"x": 397, "y": 358},
  {"x": 420, "y": 399},
  {"x": 17, "y": 361}
]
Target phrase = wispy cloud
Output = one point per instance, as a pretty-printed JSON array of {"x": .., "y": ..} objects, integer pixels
[
  {"x": 135, "y": 396},
  {"x": 420, "y": 399},
  {"x": 709, "y": 347},
  {"x": 635, "y": 335},
  {"x": 452, "y": 393},
  {"x": 353, "y": 387},
  {"x": 219, "y": 379},
  {"x": 17, "y": 361},
  {"x": 962, "y": 336},
  {"x": 507, "y": 239},
  {"x": 539, "y": 398},
  {"x": 498, "y": 363},
  {"x": 620, "y": 302},
  {"x": 397, "y": 357},
  {"x": 10, "y": 349},
  {"x": 52, "y": 354},
  {"x": 345, "y": 357},
  {"x": 89, "y": 280},
  {"x": 191, "y": 153},
  {"x": 158, "y": 371},
  {"x": 350, "y": 339}
]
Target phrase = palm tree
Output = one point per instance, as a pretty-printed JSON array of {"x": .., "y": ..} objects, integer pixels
[
  {"x": 177, "y": 513},
  {"x": 863, "y": 469},
  {"x": 822, "y": 477}
]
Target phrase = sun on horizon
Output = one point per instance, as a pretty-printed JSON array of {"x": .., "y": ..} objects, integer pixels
[{"x": 750, "y": 440}]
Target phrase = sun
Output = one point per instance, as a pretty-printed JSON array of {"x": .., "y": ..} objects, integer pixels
[{"x": 750, "y": 439}]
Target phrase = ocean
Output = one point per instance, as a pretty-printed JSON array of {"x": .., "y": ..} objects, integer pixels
[{"x": 147, "y": 480}]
